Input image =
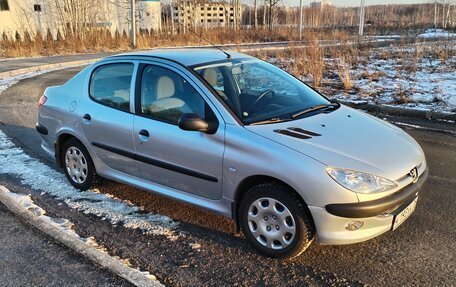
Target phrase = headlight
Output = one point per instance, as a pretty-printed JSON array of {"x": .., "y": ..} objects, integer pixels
[{"x": 360, "y": 182}]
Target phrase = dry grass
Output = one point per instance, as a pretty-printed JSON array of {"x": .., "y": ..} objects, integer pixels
[
  {"x": 102, "y": 40},
  {"x": 311, "y": 63},
  {"x": 343, "y": 71},
  {"x": 417, "y": 56},
  {"x": 71, "y": 44},
  {"x": 316, "y": 63},
  {"x": 305, "y": 62}
]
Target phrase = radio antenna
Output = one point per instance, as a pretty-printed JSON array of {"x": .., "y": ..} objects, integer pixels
[{"x": 204, "y": 39}]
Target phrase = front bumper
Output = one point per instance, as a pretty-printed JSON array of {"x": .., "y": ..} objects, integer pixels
[{"x": 331, "y": 220}]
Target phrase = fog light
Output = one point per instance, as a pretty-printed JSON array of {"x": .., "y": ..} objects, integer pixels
[
  {"x": 354, "y": 225},
  {"x": 386, "y": 213}
]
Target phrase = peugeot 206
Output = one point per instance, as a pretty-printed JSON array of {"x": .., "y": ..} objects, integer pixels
[{"x": 239, "y": 137}]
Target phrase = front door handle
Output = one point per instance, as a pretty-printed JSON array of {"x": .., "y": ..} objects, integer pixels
[
  {"x": 87, "y": 117},
  {"x": 144, "y": 135}
]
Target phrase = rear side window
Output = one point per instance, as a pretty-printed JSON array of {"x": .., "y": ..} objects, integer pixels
[{"x": 110, "y": 85}]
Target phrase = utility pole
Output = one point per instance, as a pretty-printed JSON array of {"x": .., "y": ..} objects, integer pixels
[
  {"x": 300, "y": 19},
  {"x": 133, "y": 24},
  {"x": 361, "y": 18}
]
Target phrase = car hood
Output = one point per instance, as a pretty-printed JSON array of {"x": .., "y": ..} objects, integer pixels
[{"x": 348, "y": 138}]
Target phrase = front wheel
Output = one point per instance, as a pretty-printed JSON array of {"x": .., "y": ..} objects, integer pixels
[
  {"x": 275, "y": 221},
  {"x": 78, "y": 165}
]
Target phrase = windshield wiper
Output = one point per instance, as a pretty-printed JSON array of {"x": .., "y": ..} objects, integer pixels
[
  {"x": 315, "y": 108},
  {"x": 271, "y": 121}
]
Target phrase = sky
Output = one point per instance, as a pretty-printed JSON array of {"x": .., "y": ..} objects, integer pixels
[{"x": 352, "y": 3}]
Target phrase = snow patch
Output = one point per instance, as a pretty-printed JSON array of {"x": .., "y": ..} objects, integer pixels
[
  {"x": 436, "y": 33},
  {"x": 8, "y": 82},
  {"x": 38, "y": 176}
]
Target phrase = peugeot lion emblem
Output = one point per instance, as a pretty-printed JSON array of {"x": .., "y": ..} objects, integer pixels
[{"x": 414, "y": 174}]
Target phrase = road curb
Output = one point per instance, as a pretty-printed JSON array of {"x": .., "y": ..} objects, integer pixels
[
  {"x": 22, "y": 71},
  {"x": 399, "y": 111},
  {"x": 33, "y": 215}
]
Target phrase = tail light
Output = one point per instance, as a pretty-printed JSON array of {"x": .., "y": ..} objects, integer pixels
[{"x": 42, "y": 100}]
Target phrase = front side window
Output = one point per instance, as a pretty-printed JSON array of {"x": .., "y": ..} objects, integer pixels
[
  {"x": 4, "y": 5},
  {"x": 257, "y": 91},
  {"x": 165, "y": 96},
  {"x": 111, "y": 85}
]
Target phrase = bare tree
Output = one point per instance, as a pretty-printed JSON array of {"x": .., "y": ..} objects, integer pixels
[
  {"x": 264, "y": 14},
  {"x": 74, "y": 17},
  {"x": 255, "y": 13},
  {"x": 271, "y": 5},
  {"x": 236, "y": 17},
  {"x": 24, "y": 20}
]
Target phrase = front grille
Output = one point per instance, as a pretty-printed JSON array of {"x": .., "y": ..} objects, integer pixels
[{"x": 407, "y": 175}]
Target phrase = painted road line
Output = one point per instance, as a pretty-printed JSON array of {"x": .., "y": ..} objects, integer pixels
[{"x": 60, "y": 229}]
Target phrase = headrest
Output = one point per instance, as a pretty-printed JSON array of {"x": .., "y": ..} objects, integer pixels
[
  {"x": 210, "y": 75},
  {"x": 165, "y": 87}
]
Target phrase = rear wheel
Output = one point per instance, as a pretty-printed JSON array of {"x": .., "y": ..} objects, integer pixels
[
  {"x": 275, "y": 221},
  {"x": 78, "y": 165}
]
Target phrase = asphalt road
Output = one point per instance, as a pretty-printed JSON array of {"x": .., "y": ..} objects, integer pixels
[
  {"x": 30, "y": 258},
  {"x": 420, "y": 252}
]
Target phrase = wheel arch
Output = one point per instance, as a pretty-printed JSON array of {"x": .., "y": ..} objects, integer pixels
[
  {"x": 253, "y": 180},
  {"x": 61, "y": 139}
]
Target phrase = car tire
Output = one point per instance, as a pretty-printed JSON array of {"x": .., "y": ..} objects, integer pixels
[
  {"x": 78, "y": 165},
  {"x": 272, "y": 211}
]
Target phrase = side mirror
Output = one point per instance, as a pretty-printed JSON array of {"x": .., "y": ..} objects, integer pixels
[{"x": 193, "y": 122}]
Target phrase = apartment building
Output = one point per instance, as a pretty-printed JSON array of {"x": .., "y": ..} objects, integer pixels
[
  {"x": 55, "y": 15},
  {"x": 317, "y": 12},
  {"x": 320, "y": 5},
  {"x": 206, "y": 15}
]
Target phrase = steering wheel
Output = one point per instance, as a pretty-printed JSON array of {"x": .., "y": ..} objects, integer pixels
[{"x": 260, "y": 97}]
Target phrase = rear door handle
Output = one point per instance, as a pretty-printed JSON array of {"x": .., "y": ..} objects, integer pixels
[
  {"x": 144, "y": 135},
  {"x": 87, "y": 117}
]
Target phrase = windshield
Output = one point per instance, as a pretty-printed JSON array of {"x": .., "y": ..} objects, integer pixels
[{"x": 258, "y": 92}]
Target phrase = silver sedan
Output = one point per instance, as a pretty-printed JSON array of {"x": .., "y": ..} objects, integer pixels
[{"x": 239, "y": 137}]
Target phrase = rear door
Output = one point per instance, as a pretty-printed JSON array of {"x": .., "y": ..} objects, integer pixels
[
  {"x": 184, "y": 160},
  {"x": 106, "y": 114}
]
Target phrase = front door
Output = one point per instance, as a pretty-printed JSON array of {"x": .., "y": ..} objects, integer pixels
[{"x": 184, "y": 160}]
